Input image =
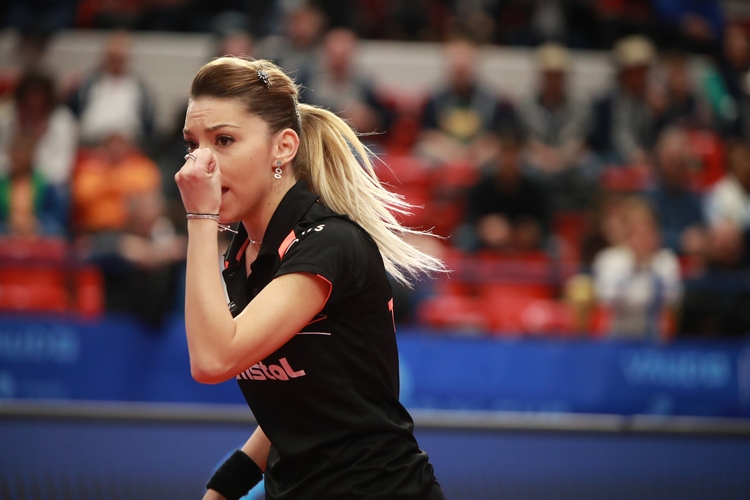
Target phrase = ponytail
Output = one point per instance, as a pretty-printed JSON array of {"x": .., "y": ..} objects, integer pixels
[{"x": 339, "y": 169}]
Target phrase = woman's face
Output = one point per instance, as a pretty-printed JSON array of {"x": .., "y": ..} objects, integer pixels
[{"x": 241, "y": 143}]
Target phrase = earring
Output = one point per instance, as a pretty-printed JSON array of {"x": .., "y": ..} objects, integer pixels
[{"x": 278, "y": 171}]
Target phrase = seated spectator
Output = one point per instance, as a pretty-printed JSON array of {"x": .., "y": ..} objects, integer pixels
[
  {"x": 39, "y": 17},
  {"x": 676, "y": 102},
  {"x": 717, "y": 297},
  {"x": 614, "y": 19},
  {"x": 725, "y": 84},
  {"x": 35, "y": 112},
  {"x": 555, "y": 125},
  {"x": 695, "y": 25},
  {"x": 29, "y": 205},
  {"x": 142, "y": 261},
  {"x": 297, "y": 47},
  {"x": 639, "y": 281},
  {"x": 112, "y": 99},
  {"x": 104, "y": 181},
  {"x": 606, "y": 226},
  {"x": 336, "y": 84},
  {"x": 729, "y": 199},
  {"x": 460, "y": 120},
  {"x": 506, "y": 211},
  {"x": 623, "y": 122},
  {"x": 236, "y": 43},
  {"x": 678, "y": 208}
]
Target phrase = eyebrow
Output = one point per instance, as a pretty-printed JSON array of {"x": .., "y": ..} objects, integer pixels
[{"x": 212, "y": 128}]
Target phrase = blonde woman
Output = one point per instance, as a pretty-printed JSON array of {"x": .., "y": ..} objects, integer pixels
[{"x": 309, "y": 331}]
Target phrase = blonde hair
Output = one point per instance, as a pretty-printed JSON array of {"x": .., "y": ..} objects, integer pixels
[{"x": 331, "y": 158}]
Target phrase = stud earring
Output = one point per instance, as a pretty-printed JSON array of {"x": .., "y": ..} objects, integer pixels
[{"x": 278, "y": 171}]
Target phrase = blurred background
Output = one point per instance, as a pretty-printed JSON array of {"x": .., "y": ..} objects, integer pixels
[{"x": 586, "y": 164}]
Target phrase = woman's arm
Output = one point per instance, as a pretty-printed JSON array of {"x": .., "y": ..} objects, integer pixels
[
  {"x": 257, "y": 448},
  {"x": 221, "y": 347}
]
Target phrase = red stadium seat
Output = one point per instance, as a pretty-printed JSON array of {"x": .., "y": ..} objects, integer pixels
[
  {"x": 709, "y": 148},
  {"x": 402, "y": 170},
  {"x": 519, "y": 314},
  {"x": 569, "y": 227},
  {"x": 89, "y": 285},
  {"x": 46, "y": 249},
  {"x": 453, "y": 311}
]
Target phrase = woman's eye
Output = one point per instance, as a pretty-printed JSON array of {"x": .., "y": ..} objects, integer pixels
[
  {"x": 191, "y": 146},
  {"x": 224, "y": 140}
]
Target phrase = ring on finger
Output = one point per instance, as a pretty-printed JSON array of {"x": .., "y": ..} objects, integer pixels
[{"x": 191, "y": 156}]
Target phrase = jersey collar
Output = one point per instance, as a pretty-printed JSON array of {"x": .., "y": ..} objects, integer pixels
[{"x": 292, "y": 207}]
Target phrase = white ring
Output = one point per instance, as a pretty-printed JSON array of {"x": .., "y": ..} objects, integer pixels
[{"x": 191, "y": 156}]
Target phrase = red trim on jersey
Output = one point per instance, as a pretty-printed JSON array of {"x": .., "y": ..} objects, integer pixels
[
  {"x": 330, "y": 289},
  {"x": 393, "y": 317},
  {"x": 320, "y": 318},
  {"x": 240, "y": 252},
  {"x": 242, "y": 249},
  {"x": 286, "y": 244}
]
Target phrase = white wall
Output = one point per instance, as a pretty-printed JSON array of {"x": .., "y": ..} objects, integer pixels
[{"x": 168, "y": 61}]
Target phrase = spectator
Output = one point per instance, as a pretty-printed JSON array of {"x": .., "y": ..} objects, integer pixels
[
  {"x": 618, "y": 18},
  {"x": 104, "y": 181},
  {"x": 729, "y": 199},
  {"x": 606, "y": 225},
  {"x": 294, "y": 51},
  {"x": 639, "y": 281},
  {"x": 336, "y": 84},
  {"x": 717, "y": 299},
  {"x": 725, "y": 84},
  {"x": 678, "y": 208},
  {"x": 506, "y": 211},
  {"x": 460, "y": 121},
  {"x": 236, "y": 43},
  {"x": 676, "y": 102},
  {"x": 141, "y": 261},
  {"x": 29, "y": 206},
  {"x": 113, "y": 100},
  {"x": 37, "y": 17},
  {"x": 555, "y": 124},
  {"x": 34, "y": 111},
  {"x": 694, "y": 25},
  {"x": 624, "y": 123}
]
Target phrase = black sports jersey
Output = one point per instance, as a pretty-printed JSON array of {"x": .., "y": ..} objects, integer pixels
[{"x": 328, "y": 398}]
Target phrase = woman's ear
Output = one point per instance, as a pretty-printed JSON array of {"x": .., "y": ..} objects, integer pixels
[{"x": 286, "y": 145}]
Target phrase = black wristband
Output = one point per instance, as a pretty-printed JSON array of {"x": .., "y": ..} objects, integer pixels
[{"x": 236, "y": 476}]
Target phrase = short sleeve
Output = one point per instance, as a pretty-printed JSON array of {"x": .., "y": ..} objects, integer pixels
[{"x": 330, "y": 249}]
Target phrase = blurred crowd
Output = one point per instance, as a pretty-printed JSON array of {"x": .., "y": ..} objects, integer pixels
[{"x": 623, "y": 214}]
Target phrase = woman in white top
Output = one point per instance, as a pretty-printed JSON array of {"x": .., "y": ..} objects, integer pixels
[{"x": 640, "y": 280}]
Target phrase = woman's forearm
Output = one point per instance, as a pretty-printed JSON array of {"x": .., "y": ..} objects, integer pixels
[
  {"x": 257, "y": 448},
  {"x": 208, "y": 322}
]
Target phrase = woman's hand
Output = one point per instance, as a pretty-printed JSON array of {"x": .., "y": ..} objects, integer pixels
[
  {"x": 213, "y": 495},
  {"x": 199, "y": 181}
]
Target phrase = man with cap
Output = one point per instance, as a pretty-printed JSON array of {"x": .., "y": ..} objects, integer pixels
[
  {"x": 556, "y": 125},
  {"x": 624, "y": 122}
]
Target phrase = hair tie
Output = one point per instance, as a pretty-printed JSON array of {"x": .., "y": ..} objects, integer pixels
[{"x": 263, "y": 77}]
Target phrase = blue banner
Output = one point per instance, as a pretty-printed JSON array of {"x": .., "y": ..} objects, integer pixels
[
  {"x": 682, "y": 378},
  {"x": 119, "y": 359}
]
